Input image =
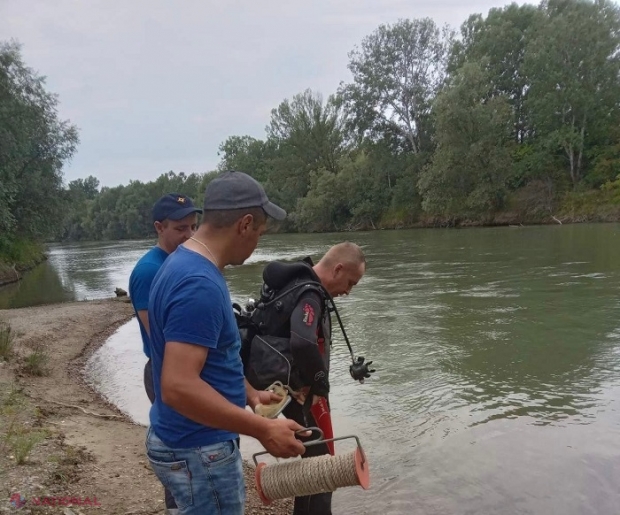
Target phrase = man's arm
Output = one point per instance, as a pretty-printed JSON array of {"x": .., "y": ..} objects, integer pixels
[
  {"x": 185, "y": 391},
  {"x": 139, "y": 288},
  {"x": 143, "y": 315},
  {"x": 304, "y": 324}
]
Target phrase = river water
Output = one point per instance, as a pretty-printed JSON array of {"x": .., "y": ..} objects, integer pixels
[{"x": 498, "y": 361}]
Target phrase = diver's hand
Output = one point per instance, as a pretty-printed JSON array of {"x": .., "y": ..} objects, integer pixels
[
  {"x": 301, "y": 395},
  {"x": 360, "y": 370},
  {"x": 320, "y": 384}
]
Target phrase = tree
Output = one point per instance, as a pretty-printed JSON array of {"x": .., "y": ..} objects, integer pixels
[
  {"x": 573, "y": 63},
  {"x": 605, "y": 160},
  {"x": 367, "y": 190},
  {"x": 84, "y": 189},
  {"x": 467, "y": 176},
  {"x": 77, "y": 198},
  {"x": 323, "y": 208},
  {"x": 35, "y": 144},
  {"x": 308, "y": 136},
  {"x": 249, "y": 155},
  {"x": 500, "y": 42},
  {"x": 396, "y": 74},
  {"x": 311, "y": 128}
]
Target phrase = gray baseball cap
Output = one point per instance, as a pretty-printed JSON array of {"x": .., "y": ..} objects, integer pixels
[{"x": 237, "y": 190}]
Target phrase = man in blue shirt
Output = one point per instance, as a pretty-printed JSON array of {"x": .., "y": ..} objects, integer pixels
[
  {"x": 175, "y": 219},
  {"x": 200, "y": 391}
]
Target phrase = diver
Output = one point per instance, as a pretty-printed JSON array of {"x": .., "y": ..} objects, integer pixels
[{"x": 286, "y": 337}]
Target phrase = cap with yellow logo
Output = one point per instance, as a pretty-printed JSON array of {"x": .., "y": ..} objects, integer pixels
[{"x": 173, "y": 206}]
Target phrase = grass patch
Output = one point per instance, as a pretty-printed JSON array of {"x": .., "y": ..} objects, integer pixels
[
  {"x": 67, "y": 469},
  {"x": 11, "y": 397},
  {"x": 21, "y": 444},
  {"x": 35, "y": 364},
  {"x": 6, "y": 342},
  {"x": 21, "y": 252},
  {"x": 16, "y": 440}
]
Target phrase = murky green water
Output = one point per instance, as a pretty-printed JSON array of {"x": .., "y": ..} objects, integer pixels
[{"x": 498, "y": 356}]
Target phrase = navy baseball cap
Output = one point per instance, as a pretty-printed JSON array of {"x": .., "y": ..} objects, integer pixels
[
  {"x": 173, "y": 206},
  {"x": 237, "y": 190}
]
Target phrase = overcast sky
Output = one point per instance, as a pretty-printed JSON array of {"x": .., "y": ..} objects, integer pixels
[{"x": 157, "y": 85}]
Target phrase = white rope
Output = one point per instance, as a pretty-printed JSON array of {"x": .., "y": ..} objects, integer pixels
[{"x": 308, "y": 476}]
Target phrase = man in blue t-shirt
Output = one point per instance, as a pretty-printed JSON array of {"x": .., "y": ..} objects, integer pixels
[
  {"x": 175, "y": 219},
  {"x": 200, "y": 391}
]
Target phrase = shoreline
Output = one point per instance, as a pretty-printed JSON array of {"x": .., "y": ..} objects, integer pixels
[
  {"x": 85, "y": 447},
  {"x": 13, "y": 271},
  {"x": 10, "y": 274}
]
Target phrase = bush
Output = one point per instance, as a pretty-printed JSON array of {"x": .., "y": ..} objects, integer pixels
[{"x": 22, "y": 443}]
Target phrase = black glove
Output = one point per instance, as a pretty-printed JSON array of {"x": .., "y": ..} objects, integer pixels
[
  {"x": 360, "y": 370},
  {"x": 320, "y": 385}
]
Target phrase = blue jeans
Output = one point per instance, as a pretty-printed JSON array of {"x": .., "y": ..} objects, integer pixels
[
  {"x": 150, "y": 392},
  {"x": 203, "y": 480}
]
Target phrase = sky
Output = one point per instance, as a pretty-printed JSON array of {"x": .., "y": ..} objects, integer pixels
[{"x": 158, "y": 85}]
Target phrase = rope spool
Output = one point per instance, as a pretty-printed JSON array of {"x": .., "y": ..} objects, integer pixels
[{"x": 314, "y": 475}]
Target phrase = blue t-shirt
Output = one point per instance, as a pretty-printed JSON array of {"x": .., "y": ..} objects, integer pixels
[
  {"x": 140, "y": 282},
  {"x": 190, "y": 303}
]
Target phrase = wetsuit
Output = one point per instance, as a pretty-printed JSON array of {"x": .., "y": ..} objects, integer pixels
[{"x": 302, "y": 316}]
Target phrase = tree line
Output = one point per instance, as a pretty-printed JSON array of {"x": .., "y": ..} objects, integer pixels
[
  {"x": 34, "y": 144},
  {"x": 514, "y": 118}
]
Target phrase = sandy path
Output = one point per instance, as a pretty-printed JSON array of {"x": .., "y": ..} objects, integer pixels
[{"x": 105, "y": 449}]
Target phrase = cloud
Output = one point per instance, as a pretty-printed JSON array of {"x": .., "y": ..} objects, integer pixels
[{"x": 156, "y": 85}]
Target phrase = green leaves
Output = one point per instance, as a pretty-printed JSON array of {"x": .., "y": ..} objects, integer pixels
[
  {"x": 469, "y": 170},
  {"x": 523, "y": 106},
  {"x": 573, "y": 67},
  {"x": 34, "y": 144},
  {"x": 396, "y": 74}
]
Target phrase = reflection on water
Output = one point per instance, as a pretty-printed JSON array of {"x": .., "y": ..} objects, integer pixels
[
  {"x": 39, "y": 286},
  {"x": 501, "y": 353},
  {"x": 116, "y": 370},
  {"x": 498, "y": 357},
  {"x": 94, "y": 270}
]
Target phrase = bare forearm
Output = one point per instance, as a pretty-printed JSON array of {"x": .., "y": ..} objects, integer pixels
[
  {"x": 143, "y": 315},
  {"x": 198, "y": 401},
  {"x": 251, "y": 394}
]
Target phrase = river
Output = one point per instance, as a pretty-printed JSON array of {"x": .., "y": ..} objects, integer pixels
[{"x": 497, "y": 352}]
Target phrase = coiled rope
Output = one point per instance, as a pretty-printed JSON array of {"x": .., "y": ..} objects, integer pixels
[{"x": 309, "y": 476}]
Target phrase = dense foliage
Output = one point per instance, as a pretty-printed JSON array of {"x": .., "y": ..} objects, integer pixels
[
  {"x": 34, "y": 144},
  {"x": 513, "y": 119}
]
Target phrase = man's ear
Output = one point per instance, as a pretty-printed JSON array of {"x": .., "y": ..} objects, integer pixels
[
  {"x": 245, "y": 223},
  {"x": 158, "y": 227},
  {"x": 338, "y": 268}
]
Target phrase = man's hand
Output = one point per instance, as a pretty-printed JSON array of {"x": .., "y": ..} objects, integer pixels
[
  {"x": 263, "y": 397},
  {"x": 279, "y": 439}
]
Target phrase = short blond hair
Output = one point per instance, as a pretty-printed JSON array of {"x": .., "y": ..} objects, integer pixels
[{"x": 347, "y": 253}]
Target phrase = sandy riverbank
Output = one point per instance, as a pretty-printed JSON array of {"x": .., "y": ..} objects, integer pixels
[{"x": 82, "y": 447}]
